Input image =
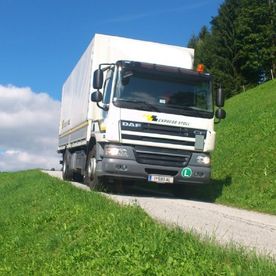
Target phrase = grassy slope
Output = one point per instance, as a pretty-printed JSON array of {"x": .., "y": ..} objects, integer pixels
[
  {"x": 245, "y": 158},
  {"x": 48, "y": 227}
]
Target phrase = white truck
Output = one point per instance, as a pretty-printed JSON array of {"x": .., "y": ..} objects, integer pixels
[{"x": 151, "y": 117}]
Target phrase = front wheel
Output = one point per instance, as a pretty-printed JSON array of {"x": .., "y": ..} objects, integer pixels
[{"x": 90, "y": 176}]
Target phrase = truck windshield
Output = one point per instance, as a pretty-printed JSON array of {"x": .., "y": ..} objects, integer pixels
[{"x": 161, "y": 92}]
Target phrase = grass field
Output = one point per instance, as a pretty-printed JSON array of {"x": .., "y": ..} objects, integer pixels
[
  {"x": 48, "y": 227},
  {"x": 244, "y": 161}
]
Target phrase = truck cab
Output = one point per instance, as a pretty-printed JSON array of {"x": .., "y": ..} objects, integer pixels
[{"x": 156, "y": 124}]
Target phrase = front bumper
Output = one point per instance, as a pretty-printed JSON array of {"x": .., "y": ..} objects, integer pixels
[{"x": 131, "y": 169}]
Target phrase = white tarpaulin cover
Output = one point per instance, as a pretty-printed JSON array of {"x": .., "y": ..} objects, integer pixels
[{"x": 77, "y": 88}]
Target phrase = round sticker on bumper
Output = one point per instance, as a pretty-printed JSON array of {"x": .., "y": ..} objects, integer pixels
[{"x": 186, "y": 172}]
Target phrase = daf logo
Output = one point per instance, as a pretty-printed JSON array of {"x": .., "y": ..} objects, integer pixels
[{"x": 131, "y": 124}]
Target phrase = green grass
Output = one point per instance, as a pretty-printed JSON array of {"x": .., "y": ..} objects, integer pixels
[
  {"x": 244, "y": 161},
  {"x": 245, "y": 157},
  {"x": 48, "y": 227}
]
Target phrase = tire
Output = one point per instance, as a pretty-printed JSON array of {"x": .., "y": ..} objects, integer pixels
[
  {"x": 90, "y": 176},
  {"x": 67, "y": 173},
  {"x": 77, "y": 177}
]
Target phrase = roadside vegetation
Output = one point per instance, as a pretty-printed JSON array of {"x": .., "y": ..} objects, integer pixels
[
  {"x": 244, "y": 164},
  {"x": 48, "y": 227},
  {"x": 244, "y": 161},
  {"x": 245, "y": 157}
]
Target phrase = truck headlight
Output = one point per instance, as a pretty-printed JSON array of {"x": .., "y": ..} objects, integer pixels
[
  {"x": 203, "y": 159},
  {"x": 118, "y": 152}
]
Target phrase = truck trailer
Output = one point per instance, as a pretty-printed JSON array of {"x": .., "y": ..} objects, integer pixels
[{"x": 136, "y": 110}]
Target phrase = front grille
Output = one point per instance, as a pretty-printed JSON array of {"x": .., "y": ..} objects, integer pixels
[
  {"x": 161, "y": 156},
  {"x": 162, "y": 129},
  {"x": 175, "y": 131},
  {"x": 158, "y": 140},
  {"x": 162, "y": 172}
]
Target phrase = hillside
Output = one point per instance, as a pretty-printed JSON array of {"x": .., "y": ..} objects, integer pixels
[
  {"x": 48, "y": 227},
  {"x": 244, "y": 162}
]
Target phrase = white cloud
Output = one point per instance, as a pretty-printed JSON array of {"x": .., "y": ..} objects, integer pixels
[
  {"x": 28, "y": 129},
  {"x": 136, "y": 16}
]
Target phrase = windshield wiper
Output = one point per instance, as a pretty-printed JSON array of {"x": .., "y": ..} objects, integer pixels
[{"x": 140, "y": 104}]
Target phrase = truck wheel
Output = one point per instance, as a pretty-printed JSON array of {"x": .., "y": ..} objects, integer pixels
[
  {"x": 90, "y": 176},
  {"x": 67, "y": 173}
]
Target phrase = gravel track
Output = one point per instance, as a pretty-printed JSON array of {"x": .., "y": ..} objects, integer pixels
[{"x": 226, "y": 225}]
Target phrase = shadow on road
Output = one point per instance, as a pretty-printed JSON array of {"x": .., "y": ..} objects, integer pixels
[
  {"x": 204, "y": 192},
  {"x": 208, "y": 192}
]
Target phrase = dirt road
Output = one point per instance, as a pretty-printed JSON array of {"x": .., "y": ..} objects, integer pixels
[{"x": 224, "y": 224}]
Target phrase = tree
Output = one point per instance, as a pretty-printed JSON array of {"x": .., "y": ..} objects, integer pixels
[
  {"x": 255, "y": 30},
  {"x": 225, "y": 50},
  {"x": 240, "y": 48},
  {"x": 201, "y": 45},
  {"x": 217, "y": 49}
]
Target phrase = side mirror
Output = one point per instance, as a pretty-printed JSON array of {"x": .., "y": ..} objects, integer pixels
[
  {"x": 220, "y": 98},
  {"x": 98, "y": 79},
  {"x": 220, "y": 114},
  {"x": 96, "y": 97}
]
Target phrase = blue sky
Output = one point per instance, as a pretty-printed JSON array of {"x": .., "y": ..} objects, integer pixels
[{"x": 41, "y": 40}]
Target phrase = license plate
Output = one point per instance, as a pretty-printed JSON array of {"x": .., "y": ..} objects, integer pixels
[{"x": 160, "y": 178}]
